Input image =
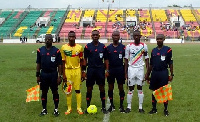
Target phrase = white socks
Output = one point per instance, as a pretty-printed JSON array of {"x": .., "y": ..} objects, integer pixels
[
  {"x": 141, "y": 98},
  {"x": 129, "y": 98}
]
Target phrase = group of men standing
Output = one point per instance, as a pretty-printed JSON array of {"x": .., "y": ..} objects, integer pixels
[{"x": 96, "y": 62}]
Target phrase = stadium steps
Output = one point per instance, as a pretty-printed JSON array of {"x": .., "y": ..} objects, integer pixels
[
  {"x": 94, "y": 17},
  {"x": 136, "y": 13},
  {"x": 51, "y": 18},
  {"x": 168, "y": 19},
  {"x": 63, "y": 20},
  {"x": 124, "y": 16},
  {"x": 36, "y": 32},
  {"x": 195, "y": 15},
  {"x": 181, "y": 16},
  {"x": 153, "y": 26},
  {"x": 24, "y": 14},
  {"x": 83, "y": 33},
  {"x": 82, "y": 14},
  {"x": 106, "y": 26}
]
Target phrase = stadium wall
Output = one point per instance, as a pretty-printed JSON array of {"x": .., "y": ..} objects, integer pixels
[{"x": 168, "y": 41}]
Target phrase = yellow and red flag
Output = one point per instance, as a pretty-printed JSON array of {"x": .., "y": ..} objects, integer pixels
[
  {"x": 163, "y": 93},
  {"x": 33, "y": 93}
]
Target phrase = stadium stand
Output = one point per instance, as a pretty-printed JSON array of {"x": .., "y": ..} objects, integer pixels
[
  {"x": 27, "y": 28},
  {"x": 172, "y": 22}
]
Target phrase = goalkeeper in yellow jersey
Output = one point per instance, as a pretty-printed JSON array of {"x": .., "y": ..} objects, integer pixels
[{"x": 72, "y": 58}]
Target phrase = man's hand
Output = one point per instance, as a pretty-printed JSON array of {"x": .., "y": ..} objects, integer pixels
[
  {"x": 83, "y": 76},
  {"x": 38, "y": 80},
  {"x": 64, "y": 78},
  {"x": 126, "y": 76},
  {"x": 107, "y": 74},
  {"x": 59, "y": 80},
  {"x": 170, "y": 78}
]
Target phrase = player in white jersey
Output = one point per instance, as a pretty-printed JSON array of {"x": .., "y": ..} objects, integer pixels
[{"x": 134, "y": 68}]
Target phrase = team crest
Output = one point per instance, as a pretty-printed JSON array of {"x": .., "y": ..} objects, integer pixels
[{"x": 77, "y": 53}]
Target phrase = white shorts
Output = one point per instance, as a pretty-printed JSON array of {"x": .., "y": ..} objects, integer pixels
[{"x": 135, "y": 75}]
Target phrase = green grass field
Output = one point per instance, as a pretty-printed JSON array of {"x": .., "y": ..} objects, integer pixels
[{"x": 17, "y": 74}]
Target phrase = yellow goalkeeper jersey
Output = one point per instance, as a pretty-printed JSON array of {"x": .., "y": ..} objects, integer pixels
[{"x": 72, "y": 55}]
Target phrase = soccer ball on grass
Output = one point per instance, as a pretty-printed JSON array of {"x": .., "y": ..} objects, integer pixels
[{"x": 92, "y": 109}]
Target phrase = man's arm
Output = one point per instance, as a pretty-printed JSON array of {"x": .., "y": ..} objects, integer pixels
[
  {"x": 148, "y": 73},
  {"x": 106, "y": 62},
  {"x": 171, "y": 71},
  {"x": 38, "y": 72},
  {"x": 63, "y": 71},
  {"x": 126, "y": 67},
  {"x": 83, "y": 67}
]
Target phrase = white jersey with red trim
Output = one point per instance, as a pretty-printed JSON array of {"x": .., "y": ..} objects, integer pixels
[{"x": 135, "y": 54}]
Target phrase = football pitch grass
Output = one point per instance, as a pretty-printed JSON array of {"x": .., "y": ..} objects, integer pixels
[{"x": 17, "y": 74}]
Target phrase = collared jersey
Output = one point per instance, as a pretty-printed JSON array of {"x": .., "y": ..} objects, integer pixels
[
  {"x": 72, "y": 55},
  {"x": 49, "y": 59},
  {"x": 135, "y": 54},
  {"x": 116, "y": 55},
  {"x": 161, "y": 59},
  {"x": 95, "y": 54}
]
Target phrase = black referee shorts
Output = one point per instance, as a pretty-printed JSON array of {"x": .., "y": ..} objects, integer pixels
[
  {"x": 95, "y": 75},
  {"x": 49, "y": 80},
  {"x": 116, "y": 73},
  {"x": 158, "y": 79}
]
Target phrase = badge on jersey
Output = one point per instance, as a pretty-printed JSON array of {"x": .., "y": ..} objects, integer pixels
[
  {"x": 101, "y": 55},
  {"x": 77, "y": 53},
  {"x": 53, "y": 59},
  {"x": 120, "y": 56},
  {"x": 162, "y": 58}
]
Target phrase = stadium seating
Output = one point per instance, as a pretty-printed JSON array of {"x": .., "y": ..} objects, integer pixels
[
  {"x": 6, "y": 27},
  {"x": 74, "y": 16},
  {"x": 27, "y": 25},
  {"x": 144, "y": 18},
  {"x": 54, "y": 23},
  {"x": 71, "y": 24},
  {"x": 159, "y": 15},
  {"x": 4, "y": 14},
  {"x": 187, "y": 15},
  {"x": 130, "y": 13},
  {"x": 151, "y": 22},
  {"x": 89, "y": 13},
  {"x": 173, "y": 13}
]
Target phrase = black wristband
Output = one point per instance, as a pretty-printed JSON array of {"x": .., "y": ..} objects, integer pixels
[
  {"x": 83, "y": 67},
  {"x": 37, "y": 74}
]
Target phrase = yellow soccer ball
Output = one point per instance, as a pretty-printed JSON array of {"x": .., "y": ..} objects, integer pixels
[{"x": 92, "y": 109}]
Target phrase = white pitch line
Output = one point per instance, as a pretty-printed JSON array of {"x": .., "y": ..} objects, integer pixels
[{"x": 107, "y": 116}]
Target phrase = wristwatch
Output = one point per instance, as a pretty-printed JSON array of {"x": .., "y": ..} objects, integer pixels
[{"x": 83, "y": 71}]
